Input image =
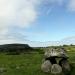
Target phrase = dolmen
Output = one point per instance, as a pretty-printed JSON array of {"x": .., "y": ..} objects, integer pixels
[{"x": 55, "y": 61}]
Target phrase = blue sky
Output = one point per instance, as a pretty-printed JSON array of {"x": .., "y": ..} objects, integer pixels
[
  {"x": 54, "y": 25},
  {"x": 36, "y": 20}
]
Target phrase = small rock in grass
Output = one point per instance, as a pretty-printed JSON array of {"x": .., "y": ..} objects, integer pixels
[
  {"x": 3, "y": 69},
  {"x": 17, "y": 67}
]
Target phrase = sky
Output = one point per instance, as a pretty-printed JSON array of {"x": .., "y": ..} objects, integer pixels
[{"x": 37, "y": 22}]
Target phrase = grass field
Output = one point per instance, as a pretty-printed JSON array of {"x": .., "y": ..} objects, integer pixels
[{"x": 27, "y": 64}]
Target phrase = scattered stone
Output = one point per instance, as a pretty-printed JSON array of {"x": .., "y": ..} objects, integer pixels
[
  {"x": 2, "y": 69},
  {"x": 17, "y": 67}
]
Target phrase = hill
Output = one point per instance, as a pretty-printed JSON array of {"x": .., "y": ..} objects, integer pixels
[{"x": 15, "y": 48}]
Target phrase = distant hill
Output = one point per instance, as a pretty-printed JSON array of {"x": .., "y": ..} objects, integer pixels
[{"x": 18, "y": 48}]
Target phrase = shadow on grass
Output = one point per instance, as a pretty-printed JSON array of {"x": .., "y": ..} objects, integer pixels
[{"x": 72, "y": 72}]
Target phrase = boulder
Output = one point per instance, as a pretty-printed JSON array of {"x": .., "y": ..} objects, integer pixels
[
  {"x": 46, "y": 66},
  {"x": 65, "y": 65},
  {"x": 56, "y": 69}
]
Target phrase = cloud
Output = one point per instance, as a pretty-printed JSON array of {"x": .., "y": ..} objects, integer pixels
[
  {"x": 53, "y": 2},
  {"x": 71, "y": 5},
  {"x": 49, "y": 5},
  {"x": 20, "y": 13}
]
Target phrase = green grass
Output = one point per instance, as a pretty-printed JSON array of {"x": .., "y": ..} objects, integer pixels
[{"x": 28, "y": 64}]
